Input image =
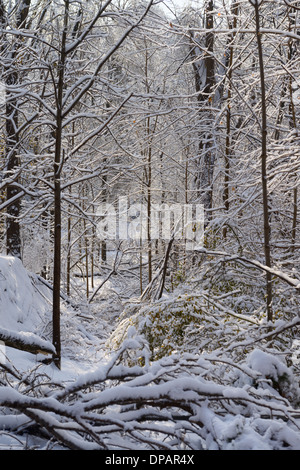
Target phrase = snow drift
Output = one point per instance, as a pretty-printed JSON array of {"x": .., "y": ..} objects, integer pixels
[{"x": 24, "y": 305}]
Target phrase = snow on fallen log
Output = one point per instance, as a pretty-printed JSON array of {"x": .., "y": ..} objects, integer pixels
[{"x": 26, "y": 341}]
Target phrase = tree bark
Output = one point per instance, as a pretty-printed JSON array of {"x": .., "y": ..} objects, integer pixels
[
  {"x": 204, "y": 83},
  {"x": 264, "y": 156},
  {"x": 12, "y": 78},
  {"x": 165, "y": 266},
  {"x": 59, "y": 156},
  {"x": 228, "y": 143},
  {"x": 24, "y": 342},
  {"x": 58, "y": 164},
  {"x": 294, "y": 126}
]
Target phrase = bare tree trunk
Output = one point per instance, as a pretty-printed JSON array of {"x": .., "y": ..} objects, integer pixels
[
  {"x": 264, "y": 155},
  {"x": 12, "y": 78},
  {"x": 13, "y": 235},
  {"x": 149, "y": 216},
  {"x": 294, "y": 126},
  {"x": 209, "y": 45},
  {"x": 59, "y": 154},
  {"x": 205, "y": 69},
  {"x": 58, "y": 163},
  {"x": 165, "y": 265},
  {"x": 228, "y": 144},
  {"x": 295, "y": 215},
  {"x": 104, "y": 200}
]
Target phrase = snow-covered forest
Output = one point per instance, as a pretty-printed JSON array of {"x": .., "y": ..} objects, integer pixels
[{"x": 149, "y": 225}]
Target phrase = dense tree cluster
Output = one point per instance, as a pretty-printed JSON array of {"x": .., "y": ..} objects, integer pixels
[{"x": 124, "y": 107}]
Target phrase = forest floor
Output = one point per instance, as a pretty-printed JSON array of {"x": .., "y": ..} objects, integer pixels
[
  {"x": 25, "y": 306},
  {"x": 259, "y": 382}
]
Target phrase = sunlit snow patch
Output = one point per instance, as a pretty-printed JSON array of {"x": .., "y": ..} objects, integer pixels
[{"x": 23, "y": 303}]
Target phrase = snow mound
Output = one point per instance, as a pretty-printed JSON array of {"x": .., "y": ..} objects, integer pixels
[{"x": 24, "y": 302}]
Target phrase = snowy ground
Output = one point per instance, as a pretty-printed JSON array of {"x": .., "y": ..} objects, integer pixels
[
  {"x": 220, "y": 394},
  {"x": 25, "y": 308}
]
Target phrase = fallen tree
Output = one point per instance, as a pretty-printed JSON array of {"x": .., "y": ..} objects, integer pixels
[
  {"x": 188, "y": 401},
  {"x": 26, "y": 341}
]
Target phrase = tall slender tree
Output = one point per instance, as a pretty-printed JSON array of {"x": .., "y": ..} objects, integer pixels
[
  {"x": 204, "y": 73},
  {"x": 63, "y": 110},
  {"x": 11, "y": 50},
  {"x": 264, "y": 156}
]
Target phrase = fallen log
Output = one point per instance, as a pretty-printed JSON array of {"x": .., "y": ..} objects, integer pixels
[{"x": 26, "y": 341}]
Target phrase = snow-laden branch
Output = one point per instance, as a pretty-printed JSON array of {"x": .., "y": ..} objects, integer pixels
[
  {"x": 88, "y": 28},
  {"x": 169, "y": 404},
  {"x": 103, "y": 61},
  {"x": 228, "y": 257},
  {"x": 99, "y": 129},
  {"x": 26, "y": 342},
  {"x": 225, "y": 31},
  {"x": 116, "y": 264}
]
